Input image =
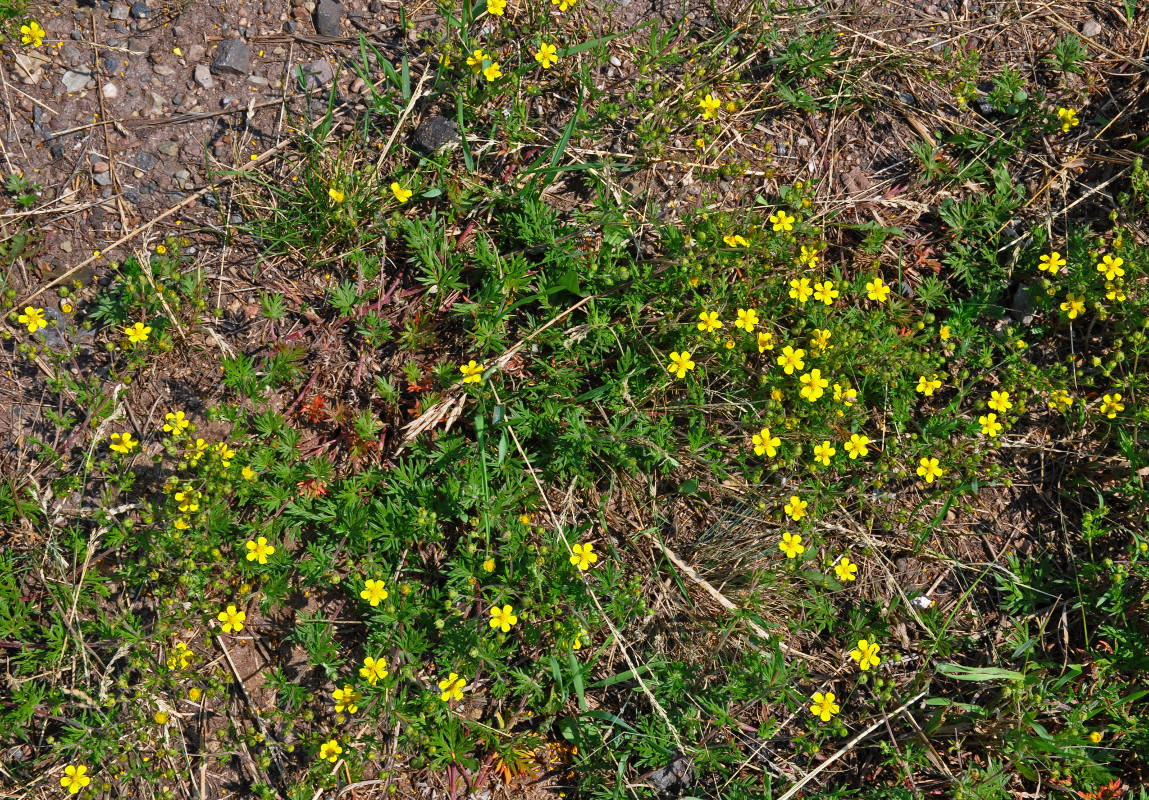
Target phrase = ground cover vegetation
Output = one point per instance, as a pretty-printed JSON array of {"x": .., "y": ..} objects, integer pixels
[{"x": 535, "y": 479}]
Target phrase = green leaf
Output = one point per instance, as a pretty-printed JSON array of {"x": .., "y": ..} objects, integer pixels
[{"x": 964, "y": 673}]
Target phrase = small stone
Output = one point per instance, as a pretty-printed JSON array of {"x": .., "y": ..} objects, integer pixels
[
  {"x": 194, "y": 53},
  {"x": 75, "y": 81},
  {"x": 164, "y": 70},
  {"x": 71, "y": 55},
  {"x": 111, "y": 64},
  {"x": 155, "y": 103},
  {"x": 140, "y": 11},
  {"x": 111, "y": 91},
  {"x": 102, "y": 178},
  {"x": 616, "y": 61},
  {"x": 232, "y": 57},
  {"x": 99, "y": 166},
  {"x": 145, "y": 160},
  {"x": 56, "y": 150},
  {"x": 327, "y": 16},
  {"x": 317, "y": 73},
  {"x": 289, "y": 26},
  {"x": 1091, "y": 28},
  {"x": 120, "y": 11},
  {"x": 168, "y": 148},
  {"x": 434, "y": 133},
  {"x": 257, "y": 80},
  {"x": 374, "y": 6},
  {"x": 203, "y": 76},
  {"x": 226, "y": 101}
]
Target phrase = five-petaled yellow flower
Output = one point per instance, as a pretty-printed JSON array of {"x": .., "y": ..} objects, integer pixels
[
  {"x": 476, "y": 59},
  {"x": 747, "y": 319},
  {"x": 138, "y": 333},
  {"x": 472, "y": 372},
  {"x": 452, "y": 687},
  {"x": 800, "y": 289},
  {"x": 877, "y": 290},
  {"x": 826, "y": 292},
  {"x": 1074, "y": 305},
  {"x": 791, "y": 359},
  {"x": 33, "y": 318},
  {"x": 1060, "y": 400},
  {"x": 336, "y": 195},
  {"x": 823, "y": 706},
  {"x": 782, "y": 221},
  {"x": 176, "y": 422},
  {"x": 765, "y": 443},
  {"x": 329, "y": 751},
  {"x": 1068, "y": 119},
  {"x": 232, "y": 619},
  {"x": 928, "y": 469},
  {"x": 1051, "y": 263},
  {"x": 791, "y": 545},
  {"x": 846, "y": 570},
  {"x": 401, "y": 194},
  {"x": 1095, "y": 737},
  {"x": 679, "y": 364},
  {"x": 1111, "y": 404},
  {"x": 735, "y": 240},
  {"x": 373, "y": 669},
  {"x": 346, "y": 698},
  {"x": 989, "y": 424},
  {"x": 857, "y": 447},
  {"x": 489, "y": 565},
  {"x": 945, "y": 332},
  {"x": 583, "y": 555},
  {"x": 1110, "y": 267},
  {"x": 1113, "y": 291},
  {"x": 866, "y": 654},
  {"x": 927, "y": 385},
  {"x": 564, "y": 5},
  {"x": 813, "y": 385},
  {"x": 33, "y": 34},
  {"x": 808, "y": 256},
  {"x": 248, "y": 473},
  {"x": 820, "y": 341},
  {"x": 373, "y": 592},
  {"x": 497, "y": 7},
  {"x": 259, "y": 550},
  {"x": 765, "y": 341},
  {"x": 181, "y": 657},
  {"x": 547, "y": 54},
  {"x": 824, "y": 452},
  {"x": 708, "y": 321},
  {"x": 74, "y": 778},
  {"x": 492, "y": 72},
  {"x": 503, "y": 618},
  {"x": 796, "y": 508},
  {"x": 709, "y": 105},
  {"x": 123, "y": 442},
  {"x": 999, "y": 401}
]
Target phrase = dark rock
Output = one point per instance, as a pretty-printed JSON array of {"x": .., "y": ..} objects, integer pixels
[
  {"x": 132, "y": 196},
  {"x": 56, "y": 150},
  {"x": 71, "y": 55},
  {"x": 232, "y": 57},
  {"x": 374, "y": 6},
  {"x": 289, "y": 26},
  {"x": 111, "y": 64},
  {"x": 327, "y": 16},
  {"x": 317, "y": 73},
  {"x": 140, "y": 11},
  {"x": 434, "y": 133}
]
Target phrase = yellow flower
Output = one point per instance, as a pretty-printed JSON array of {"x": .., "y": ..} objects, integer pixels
[
  {"x": 708, "y": 321},
  {"x": 1111, "y": 404},
  {"x": 1068, "y": 119},
  {"x": 232, "y": 619},
  {"x": 346, "y": 698},
  {"x": 999, "y": 401},
  {"x": 944, "y": 332},
  {"x": 1110, "y": 267},
  {"x": 808, "y": 256},
  {"x": 160, "y": 717},
  {"x": 856, "y": 447},
  {"x": 259, "y": 550},
  {"x": 989, "y": 424},
  {"x": 74, "y": 778},
  {"x": 492, "y": 72},
  {"x": 824, "y": 452},
  {"x": 452, "y": 687},
  {"x": 489, "y": 565},
  {"x": 1060, "y": 400},
  {"x": 195, "y": 450},
  {"x": 373, "y": 592},
  {"x": 138, "y": 333},
  {"x": 497, "y": 7},
  {"x": 33, "y": 34},
  {"x": 123, "y": 442},
  {"x": 1113, "y": 291},
  {"x": 503, "y": 618},
  {"x": 846, "y": 570},
  {"x": 1074, "y": 305},
  {"x": 846, "y": 395},
  {"x": 791, "y": 545},
  {"x": 782, "y": 221},
  {"x": 583, "y": 555},
  {"x": 1095, "y": 737},
  {"x": 335, "y": 194},
  {"x": 248, "y": 473},
  {"x": 877, "y": 290},
  {"x": 1051, "y": 263},
  {"x": 564, "y": 4},
  {"x": 194, "y": 694},
  {"x": 866, "y": 654},
  {"x": 401, "y": 194},
  {"x": 33, "y": 318},
  {"x": 329, "y": 751},
  {"x": 928, "y": 385},
  {"x": 472, "y": 372},
  {"x": 225, "y": 453},
  {"x": 176, "y": 423},
  {"x": 791, "y": 359},
  {"x": 709, "y": 105},
  {"x": 188, "y": 500},
  {"x": 735, "y": 240},
  {"x": 66, "y": 307},
  {"x": 825, "y": 292},
  {"x": 764, "y": 442},
  {"x": 373, "y": 669},
  {"x": 928, "y": 469},
  {"x": 547, "y": 55},
  {"x": 475, "y": 61},
  {"x": 800, "y": 289},
  {"x": 181, "y": 524},
  {"x": 765, "y": 341},
  {"x": 820, "y": 341},
  {"x": 180, "y": 657},
  {"x": 679, "y": 364},
  {"x": 747, "y": 319},
  {"x": 823, "y": 706},
  {"x": 813, "y": 385},
  {"x": 526, "y": 518},
  {"x": 796, "y": 508}
]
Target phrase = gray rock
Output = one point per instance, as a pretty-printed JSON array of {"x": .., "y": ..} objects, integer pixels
[
  {"x": 103, "y": 178},
  {"x": 71, "y": 55},
  {"x": 616, "y": 61},
  {"x": 111, "y": 91},
  {"x": 317, "y": 73},
  {"x": 327, "y": 16},
  {"x": 169, "y": 148},
  {"x": 164, "y": 70},
  {"x": 111, "y": 63},
  {"x": 1091, "y": 28},
  {"x": 433, "y": 133},
  {"x": 120, "y": 11},
  {"x": 232, "y": 57},
  {"x": 1022, "y": 307},
  {"x": 75, "y": 81},
  {"x": 146, "y": 161},
  {"x": 155, "y": 103},
  {"x": 203, "y": 76},
  {"x": 140, "y": 11}
]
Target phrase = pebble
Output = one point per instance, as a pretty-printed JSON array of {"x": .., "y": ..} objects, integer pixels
[
  {"x": 75, "y": 81},
  {"x": 1091, "y": 28},
  {"x": 318, "y": 73},
  {"x": 111, "y": 64},
  {"x": 111, "y": 91},
  {"x": 140, "y": 11},
  {"x": 327, "y": 16},
  {"x": 168, "y": 148},
  {"x": 203, "y": 76},
  {"x": 616, "y": 61},
  {"x": 257, "y": 80},
  {"x": 71, "y": 55},
  {"x": 103, "y": 178},
  {"x": 164, "y": 70},
  {"x": 120, "y": 11},
  {"x": 155, "y": 103},
  {"x": 232, "y": 57}
]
